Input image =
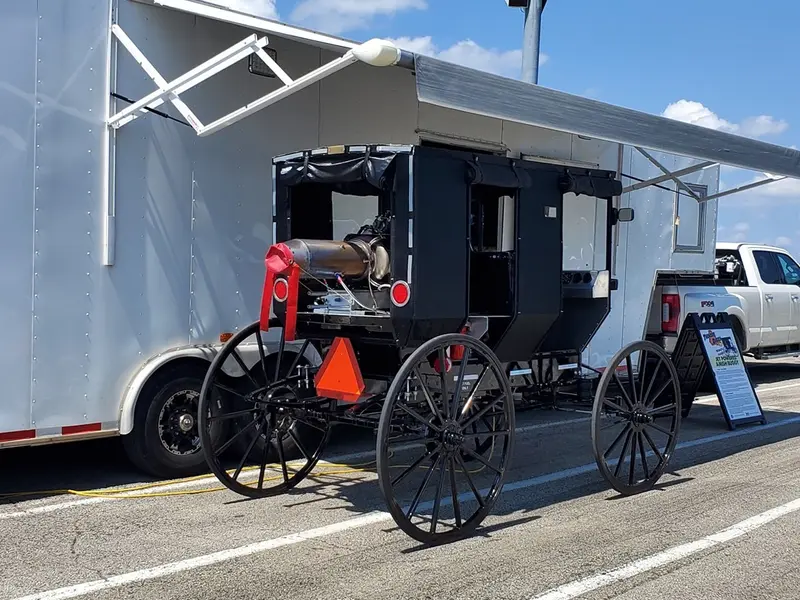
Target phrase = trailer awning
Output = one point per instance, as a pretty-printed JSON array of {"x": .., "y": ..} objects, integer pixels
[
  {"x": 216, "y": 12},
  {"x": 460, "y": 88}
]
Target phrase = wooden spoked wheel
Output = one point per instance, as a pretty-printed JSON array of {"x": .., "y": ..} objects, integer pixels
[
  {"x": 445, "y": 439},
  {"x": 253, "y": 425},
  {"x": 636, "y": 417}
]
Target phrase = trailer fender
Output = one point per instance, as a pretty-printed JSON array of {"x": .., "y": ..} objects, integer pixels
[{"x": 249, "y": 355}]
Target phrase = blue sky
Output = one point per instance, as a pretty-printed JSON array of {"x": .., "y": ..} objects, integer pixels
[{"x": 726, "y": 64}]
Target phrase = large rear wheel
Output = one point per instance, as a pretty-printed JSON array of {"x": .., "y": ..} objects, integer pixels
[
  {"x": 254, "y": 423},
  {"x": 446, "y": 428}
]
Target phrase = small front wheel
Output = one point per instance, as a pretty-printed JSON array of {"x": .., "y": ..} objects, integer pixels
[
  {"x": 447, "y": 427},
  {"x": 636, "y": 417}
]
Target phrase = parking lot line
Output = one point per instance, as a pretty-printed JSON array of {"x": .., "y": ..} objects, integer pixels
[
  {"x": 120, "y": 493},
  {"x": 577, "y": 588},
  {"x": 82, "y": 589}
]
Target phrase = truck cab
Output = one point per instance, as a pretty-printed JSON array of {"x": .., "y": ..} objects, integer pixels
[{"x": 758, "y": 285}]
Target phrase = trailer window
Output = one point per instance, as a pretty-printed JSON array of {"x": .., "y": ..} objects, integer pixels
[{"x": 690, "y": 220}]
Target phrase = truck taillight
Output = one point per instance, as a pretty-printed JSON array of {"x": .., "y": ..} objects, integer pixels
[{"x": 670, "y": 311}]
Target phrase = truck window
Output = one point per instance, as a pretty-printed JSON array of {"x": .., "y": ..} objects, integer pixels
[
  {"x": 730, "y": 270},
  {"x": 791, "y": 272},
  {"x": 768, "y": 268}
]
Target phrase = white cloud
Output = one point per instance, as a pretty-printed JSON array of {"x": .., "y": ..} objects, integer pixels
[
  {"x": 469, "y": 54},
  {"x": 782, "y": 240},
  {"x": 338, "y": 16},
  {"x": 261, "y": 8},
  {"x": 762, "y": 125},
  {"x": 740, "y": 232},
  {"x": 696, "y": 113},
  {"x": 785, "y": 188}
]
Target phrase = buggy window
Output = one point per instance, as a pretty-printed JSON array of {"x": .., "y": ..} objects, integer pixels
[
  {"x": 768, "y": 267},
  {"x": 351, "y": 212},
  {"x": 492, "y": 212},
  {"x": 791, "y": 272}
]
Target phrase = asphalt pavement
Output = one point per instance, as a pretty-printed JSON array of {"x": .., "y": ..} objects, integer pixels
[{"x": 723, "y": 523}]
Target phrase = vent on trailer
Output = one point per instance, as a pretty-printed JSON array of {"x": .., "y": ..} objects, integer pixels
[{"x": 670, "y": 311}]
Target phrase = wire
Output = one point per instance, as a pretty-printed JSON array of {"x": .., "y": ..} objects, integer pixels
[
  {"x": 152, "y": 110},
  {"x": 125, "y": 493},
  {"x": 659, "y": 186}
]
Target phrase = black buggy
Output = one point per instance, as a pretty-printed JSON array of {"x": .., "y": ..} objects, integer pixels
[{"x": 433, "y": 321}]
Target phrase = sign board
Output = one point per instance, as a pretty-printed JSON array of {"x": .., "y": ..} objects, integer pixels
[{"x": 707, "y": 342}]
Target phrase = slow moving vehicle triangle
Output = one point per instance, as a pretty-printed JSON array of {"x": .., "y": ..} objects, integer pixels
[{"x": 339, "y": 376}]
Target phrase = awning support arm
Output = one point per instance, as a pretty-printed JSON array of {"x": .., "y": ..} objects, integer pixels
[
  {"x": 279, "y": 94},
  {"x": 743, "y": 188},
  {"x": 662, "y": 178},
  {"x": 668, "y": 174},
  {"x": 183, "y": 83},
  {"x": 170, "y": 91},
  {"x": 151, "y": 71}
]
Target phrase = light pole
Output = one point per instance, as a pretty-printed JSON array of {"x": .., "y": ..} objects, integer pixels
[{"x": 531, "y": 37}]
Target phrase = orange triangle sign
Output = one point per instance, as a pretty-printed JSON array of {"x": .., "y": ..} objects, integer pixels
[{"x": 339, "y": 377}]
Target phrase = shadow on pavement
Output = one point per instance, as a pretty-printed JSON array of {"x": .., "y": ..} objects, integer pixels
[{"x": 53, "y": 470}]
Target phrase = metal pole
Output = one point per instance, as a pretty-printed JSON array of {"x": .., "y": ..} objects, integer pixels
[{"x": 530, "y": 43}]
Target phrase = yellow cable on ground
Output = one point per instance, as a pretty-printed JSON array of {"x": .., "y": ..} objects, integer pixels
[{"x": 125, "y": 493}]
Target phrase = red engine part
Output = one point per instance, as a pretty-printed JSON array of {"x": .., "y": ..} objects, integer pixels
[{"x": 279, "y": 260}]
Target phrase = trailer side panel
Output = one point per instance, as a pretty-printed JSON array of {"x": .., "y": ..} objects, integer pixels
[{"x": 18, "y": 29}]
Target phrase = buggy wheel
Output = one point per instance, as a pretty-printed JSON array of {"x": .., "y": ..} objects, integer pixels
[
  {"x": 636, "y": 417},
  {"x": 426, "y": 436},
  {"x": 244, "y": 426}
]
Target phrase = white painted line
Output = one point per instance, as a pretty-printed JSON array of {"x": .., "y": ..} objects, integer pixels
[
  {"x": 89, "y": 587},
  {"x": 776, "y": 388},
  {"x": 578, "y": 588},
  {"x": 120, "y": 492},
  {"x": 47, "y": 508},
  {"x": 355, "y": 523}
]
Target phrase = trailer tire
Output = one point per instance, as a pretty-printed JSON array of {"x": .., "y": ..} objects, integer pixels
[{"x": 159, "y": 422}]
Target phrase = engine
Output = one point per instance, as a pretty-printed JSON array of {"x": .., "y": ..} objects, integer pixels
[{"x": 354, "y": 272}]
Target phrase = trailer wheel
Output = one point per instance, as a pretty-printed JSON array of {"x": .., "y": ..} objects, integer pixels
[{"x": 165, "y": 441}]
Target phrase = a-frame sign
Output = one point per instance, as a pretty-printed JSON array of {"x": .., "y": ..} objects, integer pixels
[{"x": 707, "y": 341}]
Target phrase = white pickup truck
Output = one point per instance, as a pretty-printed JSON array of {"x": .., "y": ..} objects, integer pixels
[{"x": 759, "y": 286}]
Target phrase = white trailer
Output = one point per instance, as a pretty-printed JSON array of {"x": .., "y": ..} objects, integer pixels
[{"x": 135, "y": 221}]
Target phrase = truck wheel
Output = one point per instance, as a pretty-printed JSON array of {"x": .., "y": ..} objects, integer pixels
[{"x": 165, "y": 441}]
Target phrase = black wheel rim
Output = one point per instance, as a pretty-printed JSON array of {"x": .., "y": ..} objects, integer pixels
[
  {"x": 636, "y": 417},
  {"x": 438, "y": 475},
  {"x": 255, "y": 446},
  {"x": 177, "y": 423}
]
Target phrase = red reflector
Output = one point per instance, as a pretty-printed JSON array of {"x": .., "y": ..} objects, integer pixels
[
  {"x": 12, "y": 436},
  {"x": 72, "y": 429},
  {"x": 671, "y": 308},
  {"x": 339, "y": 377},
  {"x": 281, "y": 290},
  {"x": 400, "y": 293}
]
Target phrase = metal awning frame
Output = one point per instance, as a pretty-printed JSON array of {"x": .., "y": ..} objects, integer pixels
[
  {"x": 170, "y": 91},
  {"x": 676, "y": 175}
]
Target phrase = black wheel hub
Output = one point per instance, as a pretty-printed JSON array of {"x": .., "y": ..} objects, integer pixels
[
  {"x": 639, "y": 417},
  {"x": 177, "y": 423},
  {"x": 452, "y": 437}
]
